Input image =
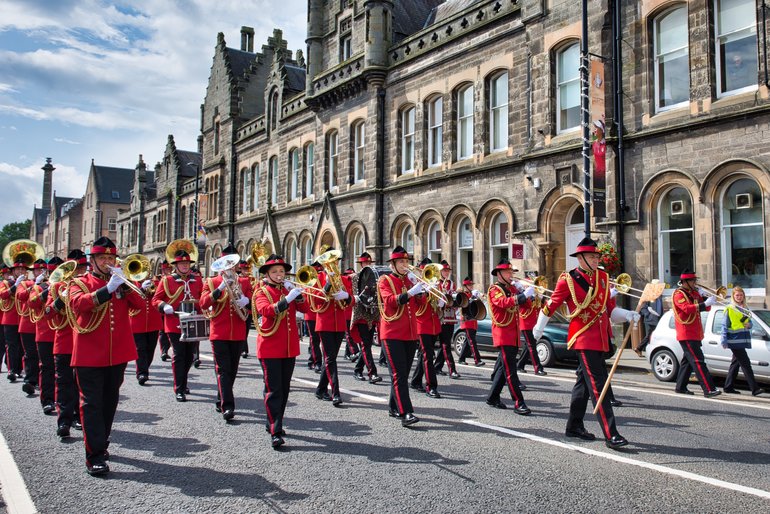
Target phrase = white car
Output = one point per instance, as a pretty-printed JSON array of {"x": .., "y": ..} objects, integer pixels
[{"x": 665, "y": 354}]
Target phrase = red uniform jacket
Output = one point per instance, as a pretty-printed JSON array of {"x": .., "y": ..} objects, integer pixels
[
  {"x": 398, "y": 320},
  {"x": 428, "y": 319},
  {"x": 504, "y": 310},
  {"x": 171, "y": 291},
  {"x": 277, "y": 332},
  {"x": 330, "y": 317},
  {"x": 111, "y": 342},
  {"x": 528, "y": 313},
  {"x": 687, "y": 306},
  {"x": 8, "y": 303},
  {"x": 590, "y": 328},
  {"x": 57, "y": 321},
  {"x": 36, "y": 303},
  {"x": 147, "y": 319},
  {"x": 226, "y": 325},
  {"x": 22, "y": 308}
]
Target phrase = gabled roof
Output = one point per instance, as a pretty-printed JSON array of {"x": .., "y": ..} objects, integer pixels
[
  {"x": 239, "y": 61},
  {"x": 58, "y": 204},
  {"x": 113, "y": 185},
  {"x": 40, "y": 216},
  {"x": 68, "y": 206},
  {"x": 410, "y": 16}
]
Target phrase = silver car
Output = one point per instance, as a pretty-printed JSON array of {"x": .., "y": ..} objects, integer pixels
[{"x": 664, "y": 352}]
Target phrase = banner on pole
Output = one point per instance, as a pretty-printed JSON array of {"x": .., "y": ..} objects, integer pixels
[{"x": 598, "y": 193}]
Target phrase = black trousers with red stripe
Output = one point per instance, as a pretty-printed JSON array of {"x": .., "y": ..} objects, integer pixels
[
  {"x": 315, "y": 357},
  {"x": 13, "y": 349},
  {"x": 366, "y": 334},
  {"x": 469, "y": 346},
  {"x": 31, "y": 358},
  {"x": 276, "y": 374},
  {"x": 227, "y": 356},
  {"x": 145, "y": 342},
  {"x": 400, "y": 355},
  {"x": 445, "y": 354},
  {"x": 66, "y": 390},
  {"x": 165, "y": 342},
  {"x": 424, "y": 365},
  {"x": 99, "y": 394},
  {"x": 330, "y": 345},
  {"x": 506, "y": 374},
  {"x": 181, "y": 362},
  {"x": 694, "y": 361},
  {"x": 47, "y": 377},
  {"x": 591, "y": 376},
  {"x": 530, "y": 352}
]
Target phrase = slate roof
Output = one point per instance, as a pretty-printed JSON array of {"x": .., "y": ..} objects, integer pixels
[
  {"x": 295, "y": 77},
  {"x": 109, "y": 179},
  {"x": 68, "y": 206},
  {"x": 239, "y": 61},
  {"x": 185, "y": 158},
  {"x": 58, "y": 204},
  {"x": 410, "y": 16},
  {"x": 39, "y": 218},
  {"x": 448, "y": 9}
]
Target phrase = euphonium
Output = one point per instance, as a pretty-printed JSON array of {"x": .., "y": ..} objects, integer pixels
[
  {"x": 25, "y": 251},
  {"x": 330, "y": 262}
]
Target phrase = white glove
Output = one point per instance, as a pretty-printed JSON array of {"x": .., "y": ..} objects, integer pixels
[
  {"x": 341, "y": 295},
  {"x": 412, "y": 277},
  {"x": 288, "y": 285},
  {"x": 293, "y": 294},
  {"x": 702, "y": 291},
  {"x": 168, "y": 309},
  {"x": 542, "y": 321},
  {"x": 441, "y": 304},
  {"x": 39, "y": 278},
  {"x": 115, "y": 282},
  {"x": 222, "y": 285},
  {"x": 241, "y": 302},
  {"x": 19, "y": 280},
  {"x": 710, "y": 301},
  {"x": 416, "y": 289},
  {"x": 475, "y": 293},
  {"x": 619, "y": 315},
  {"x": 529, "y": 292},
  {"x": 613, "y": 292},
  {"x": 633, "y": 317},
  {"x": 518, "y": 286},
  {"x": 147, "y": 284}
]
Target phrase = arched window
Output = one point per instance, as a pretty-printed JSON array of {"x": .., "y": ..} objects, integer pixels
[
  {"x": 499, "y": 239},
  {"x": 273, "y": 166},
  {"x": 309, "y": 168},
  {"x": 464, "y": 249},
  {"x": 735, "y": 24},
  {"x": 246, "y": 190},
  {"x": 182, "y": 220},
  {"x": 255, "y": 189},
  {"x": 332, "y": 159},
  {"x": 359, "y": 145},
  {"x": 407, "y": 140},
  {"x": 743, "y": 235},
  {"x": 192, "y": 226},
  {"x": 294, "y": 174},
  {"x": 434, "y": 242},
  {"x": 307, "y": 251},
  {"x": 568, "y": 89},
  {"x": 291, "y": 254},
  {"x": 498, "y": 112},
  {"x": 357, "y": 245},
  {"x": 675, "y": 234},
  {"x": 672, "y": 66},
  {"x": 407, "y": 238},
  {"x": 273, "y": 109},
  {"x": 465, "y": 123},
  {"x": 435, "y": 130}
]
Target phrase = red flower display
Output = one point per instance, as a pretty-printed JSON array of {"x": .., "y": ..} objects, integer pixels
[{"x": 609, "y": 259}]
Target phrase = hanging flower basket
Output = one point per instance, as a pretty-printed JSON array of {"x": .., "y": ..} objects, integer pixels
[{"x": 609, "y": 259}]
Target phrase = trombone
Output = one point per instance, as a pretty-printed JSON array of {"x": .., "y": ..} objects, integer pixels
[
  {"x": 720, "y": 293},
  {"x": 429, "y": 278},
  {"x": 623, "y": 283},
  {"x": 307, "y": 277},
  {"x": 540, "y": 283}
]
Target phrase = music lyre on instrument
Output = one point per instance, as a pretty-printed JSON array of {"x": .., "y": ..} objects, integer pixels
[
  {"x": 224, "y": 266},
  {"x": 651, "y": 292}
]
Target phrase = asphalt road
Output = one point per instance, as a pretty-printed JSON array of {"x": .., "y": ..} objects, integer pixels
[{"x": 687, "y": 454}]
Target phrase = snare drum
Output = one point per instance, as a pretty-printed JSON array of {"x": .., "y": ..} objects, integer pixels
[{"x": 194, "y": 328}]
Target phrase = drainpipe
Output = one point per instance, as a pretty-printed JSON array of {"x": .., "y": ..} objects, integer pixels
[
  {"x": 620, "y": 185},
  {"x": 380, "y": 180}
]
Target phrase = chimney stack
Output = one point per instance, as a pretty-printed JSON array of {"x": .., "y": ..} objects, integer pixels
[
  {"x": 47, "y": 183},
  {"x": 247, "y": 39}
]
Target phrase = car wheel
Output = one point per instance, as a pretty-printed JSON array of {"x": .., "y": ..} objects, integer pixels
[
  {"x": 459, "y": 341},
  {"x": 664, "y": 365},
  {"x": 545, "y": 352}
]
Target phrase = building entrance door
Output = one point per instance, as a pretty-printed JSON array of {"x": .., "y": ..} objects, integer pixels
[{"x": 574, "y": 232}]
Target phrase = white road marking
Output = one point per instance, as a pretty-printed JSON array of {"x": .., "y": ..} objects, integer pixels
[
  {"x": 346, "y": 391},
  {"x": 626, "y": 460},
  {"x": 15, "y": 493}
]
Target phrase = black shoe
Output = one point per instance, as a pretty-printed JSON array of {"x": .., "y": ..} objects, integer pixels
[
  {"x": 277, "y": 441},
  {"x": 245, "y": 355},
  {"x": 731, "y": 390},
  {"x": 228, "y": 414},
  {"x": 685, "y": 391},
  {"x": 616, "y": 403},
  {"x": 164, "y": 357},
  {"x": 336, "y": 401},
  {"x": 409, "y": 419},
  {"x": 310, "y": 365},
  {"x": 522, "y": 387},
  {"x": 711, "y": 394},
  {"x": 462, "y": 362},
  {"x": 63, "y": 431},
  {"x": 28, "y": 388},
  {"x": 374, "y": 379},
  {"x": 12, "y": 377},
  {"x": 522, "y": 410},
  {"x": 323, "y": 396},
  {"x": 317, "y": 368},
  {"x": 77, "y": 425},
  {"x": 142, "y": 379},
  {"x": 454, "y": 375},
  {"x": 354, "y": 358},
  {"x": 480, "y": 364},
  {"x": 616, "y": 441},
  {"x": 497, "y": 404},
  {"x": 432, "y": 393},
  {"x": 181, "y": 397},
  {"x": 98, "y": 469},
  {"x": 541, "y": 372},
  {"x": 218, "y": 407},
  {"x": 359, "y": 376},
  {"x": 441, "y": 372},
  {"x": 757, "y": 392},
  {"x": 580, "y": 433},
  {"x": 49, "y": 408},
  {"x": 394, "y": 414},
  {"x": 197, "y": 363}
]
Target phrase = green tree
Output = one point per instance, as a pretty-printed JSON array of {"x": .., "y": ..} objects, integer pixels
[{"x": 12, "y": 231}]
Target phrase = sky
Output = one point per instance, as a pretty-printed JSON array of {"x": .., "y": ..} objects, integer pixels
[{"x": 110, "y": 80}]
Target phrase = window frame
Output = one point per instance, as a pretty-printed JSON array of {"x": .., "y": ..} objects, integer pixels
[
  {"x": 332, "y": 163},
  {"x": 295, "y": 165},
  {"x": 435, "y": 128},
  {"x": 408, "y": 116},
  {"x": 718, "y": 64},
  {"x": 495, "y": 108},
  {"x": 464, "y": 119},
  {"x": 663, "y": 259},
  {"x": 359, "y": 151},
  {"x": 656, "y": 52},
  {"x": 272, "y": 166},
  {"x": 309, "y": 159},
  {"x": 560, "y": 84}
]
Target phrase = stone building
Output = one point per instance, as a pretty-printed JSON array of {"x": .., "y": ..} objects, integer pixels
[
  {"x": 107, "y": 190},
  {"x": 56, "y": 226}
]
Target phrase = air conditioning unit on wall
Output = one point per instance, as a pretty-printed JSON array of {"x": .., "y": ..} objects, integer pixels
[
  {"x": 677, "y": 207},
  {"x": 744, "y": 201}
]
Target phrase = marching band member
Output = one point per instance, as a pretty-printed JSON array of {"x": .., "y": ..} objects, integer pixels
[
  {"x": 182, "y": 286},
  {"x": 447, "y": 286},
  {"x": 586, "y": 292},
  {"x": 428, "y": 330},
  {"x": 277, "y": 339},
  {"x": 469, "y": 325},
  {"x": 504, "y": 301},
  {"x": 687, "y": 303},
  {"x": 44, "y": 337},
  {"x": 350, "y": 344},
  {"x": 362, "y": 332},
  {"x": 398, "y": 330},
  {"x": 331, "y": 323},
  {"x": 5, "y": 276},
  {"x": 66, "y": 392},
  {"x": 165, "y": 342},
  {"x": 27, "y": 328},
  {"x": 145, "y": 324},
  {"x": 228, "y": 330},
  {"x": 315, "y": 356},
  {"x": 245, "y": 280},
  {"x": 528, "y": 314},
  {"x": 102, "y": 347},
  {"x": 11, "y": 319}
]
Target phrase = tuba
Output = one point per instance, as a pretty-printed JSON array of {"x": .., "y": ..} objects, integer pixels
[
  {"x": 25, "y": 251},
  {"x": 330, "y": 260},
  {"x": 182, "y": 244},
  {"x": 224, "y": 266}
]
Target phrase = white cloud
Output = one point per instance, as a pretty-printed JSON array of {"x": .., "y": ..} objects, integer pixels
[{"x": 67, "y": 141}]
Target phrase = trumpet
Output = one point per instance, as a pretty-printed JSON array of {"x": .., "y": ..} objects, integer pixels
[
  {"x": 429, "y": 277},
  {"x": 307, "y": 277}
]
